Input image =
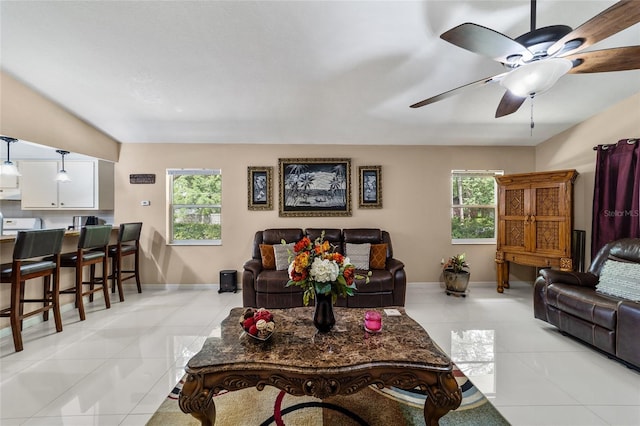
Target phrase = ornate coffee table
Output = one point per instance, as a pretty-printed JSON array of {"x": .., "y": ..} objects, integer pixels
[{"x": 301, "y": 361}]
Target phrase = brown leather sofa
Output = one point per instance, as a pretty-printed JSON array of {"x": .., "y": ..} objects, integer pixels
[
  {"x": 569, "y": 301},
  {"x": 267, "y": 287}
]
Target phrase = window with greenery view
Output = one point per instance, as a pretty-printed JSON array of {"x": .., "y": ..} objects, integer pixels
[
  {"x": 195, "y": 197},
  {"x": 473, "y": 206}
]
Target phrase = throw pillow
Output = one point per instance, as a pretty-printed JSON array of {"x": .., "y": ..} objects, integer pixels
[
  {"x": 282, "y": 255},
  {"x": 621, "y": 279},
  {"x": 378, "y": 256},
  {"x": 359, "y": 255},
  {"x": 268, "y": 256}
]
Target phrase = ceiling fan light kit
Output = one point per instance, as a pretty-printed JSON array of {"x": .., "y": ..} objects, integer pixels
[
  {"x": 539, "y": 58},
  {"x": 536, "y": 77}
]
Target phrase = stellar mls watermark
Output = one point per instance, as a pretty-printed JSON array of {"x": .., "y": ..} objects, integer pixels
[{"x": 621, "y": 213}]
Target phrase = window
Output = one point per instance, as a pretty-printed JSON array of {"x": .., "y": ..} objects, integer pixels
[
  {"x": 473, "y": 206},
  {"x": 195, "y": 197}
]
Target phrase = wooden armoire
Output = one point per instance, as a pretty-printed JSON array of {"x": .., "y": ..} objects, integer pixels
[{"x": 535, "y": 220}]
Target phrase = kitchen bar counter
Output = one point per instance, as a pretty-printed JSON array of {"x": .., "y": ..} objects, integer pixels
[
  {"x": 34, "y": 290},
  {"x": 69, "y": 233}
]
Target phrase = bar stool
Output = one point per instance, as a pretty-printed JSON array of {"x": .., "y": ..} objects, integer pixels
[
  {"x": 29, "y": 248},
  {"x": 92, "y": 250},
  {"x": 128, "y": 244}
]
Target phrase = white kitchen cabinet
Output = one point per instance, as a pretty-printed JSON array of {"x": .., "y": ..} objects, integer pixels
[
  {"x": 9, "y": 187},
  {"x": 8, "y": 182},
  {"x": 90, "y": 188}
]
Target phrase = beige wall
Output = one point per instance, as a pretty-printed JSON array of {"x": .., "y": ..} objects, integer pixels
[
  {"x": 29, "y": 116},
  {"x": 573, "y": 149},
  {"x": 416, "y": 200},
  {"x": 415, "y": 185}
]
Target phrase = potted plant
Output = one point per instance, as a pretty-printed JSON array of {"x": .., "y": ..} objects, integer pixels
[{"x": 456, "y": 275}]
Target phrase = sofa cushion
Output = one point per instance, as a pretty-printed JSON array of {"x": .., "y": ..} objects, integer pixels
[
  {"x": 380, "y": 280},
  {"x": 272, "y": 281},
  {"x": 359, "y": 255},
  {"x": 362, "y": 235},
  {"x": 584, "y": 303},
  {"x": 282, "y": 252},
  {"x": 378, "y": 256},
  {"x": 268, "y": 256},
  {"x": 621, "y": 279}
]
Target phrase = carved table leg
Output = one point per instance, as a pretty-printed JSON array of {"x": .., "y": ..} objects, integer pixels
[
  {"x": 197, "y": 401},
  {"x": 441, "y": 398}
]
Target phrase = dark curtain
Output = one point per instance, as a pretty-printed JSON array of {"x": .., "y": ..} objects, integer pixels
[{"x": 616, "y": 196}]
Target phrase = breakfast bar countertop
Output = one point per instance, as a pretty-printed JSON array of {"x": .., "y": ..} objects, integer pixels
[{"x": 68, "y": 233}]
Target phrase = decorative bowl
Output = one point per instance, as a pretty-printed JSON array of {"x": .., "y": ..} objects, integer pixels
[{"x": 258, "y": 323}]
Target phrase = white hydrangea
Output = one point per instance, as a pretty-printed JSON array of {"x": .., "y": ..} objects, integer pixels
[{"x": 324, "y": 270}]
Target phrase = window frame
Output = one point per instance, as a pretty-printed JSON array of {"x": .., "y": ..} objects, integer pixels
[
  {"x": 171, "y": 207},
  {"x": 475, "y": 173}
]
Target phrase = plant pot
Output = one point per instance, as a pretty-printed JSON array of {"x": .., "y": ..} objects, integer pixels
[{"x": 456, "y": 282}]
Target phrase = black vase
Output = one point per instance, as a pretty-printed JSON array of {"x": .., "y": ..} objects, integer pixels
[{"x": 323, "y": 317}]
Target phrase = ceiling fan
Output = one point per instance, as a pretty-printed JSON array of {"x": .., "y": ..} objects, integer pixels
[{"x": 536, "y": 60}]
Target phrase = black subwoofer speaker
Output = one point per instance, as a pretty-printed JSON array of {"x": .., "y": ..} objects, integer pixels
[{"x": 228, "y": 281}]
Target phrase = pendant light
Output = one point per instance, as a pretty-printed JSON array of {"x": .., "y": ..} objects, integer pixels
[
  {"x": 62, "y": 175},
  {"x": 8, "y": 168}
]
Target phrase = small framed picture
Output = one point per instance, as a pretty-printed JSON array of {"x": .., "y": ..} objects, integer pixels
[
  {"x": 259, "y": 182},
  {"x": 370, "y": 188}
]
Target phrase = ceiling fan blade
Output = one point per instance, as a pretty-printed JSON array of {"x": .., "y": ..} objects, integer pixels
[
  {"x": 618, "y": 17},
  {"x": 457, "y": 90},
  {"x": 606, "y": 60},
  {"x": 509, "y": 104},
  {"x": 485, "y": 41}
]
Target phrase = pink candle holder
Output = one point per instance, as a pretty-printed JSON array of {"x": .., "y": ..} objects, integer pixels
[{"x": 373, "y": 322}]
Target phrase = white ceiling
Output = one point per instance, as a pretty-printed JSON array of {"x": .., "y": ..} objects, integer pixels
[{"x": 311, "y": 72}]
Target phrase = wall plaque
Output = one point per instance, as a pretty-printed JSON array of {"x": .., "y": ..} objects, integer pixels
[{"x": 142, "y": 178}]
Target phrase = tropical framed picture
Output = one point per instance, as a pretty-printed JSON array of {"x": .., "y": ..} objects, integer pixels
[
  {"x": 260, "y": 188},
  {"x": 370, "y": 187},
  {"x": 314, "y": 187}
]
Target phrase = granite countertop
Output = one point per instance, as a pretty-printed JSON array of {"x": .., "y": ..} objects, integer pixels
[
  {"x": 297, "y": 344},
  {"x": 68, "y": 233}
]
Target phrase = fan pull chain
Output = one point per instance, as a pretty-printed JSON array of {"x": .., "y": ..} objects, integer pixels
[{"x": 532, "y": 123}]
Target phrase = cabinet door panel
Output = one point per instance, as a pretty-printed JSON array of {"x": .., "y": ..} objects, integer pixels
[
  {"x": 549, "y": 212},
  {"x": 79, "y": 192},
  {"x": 10, "y": 182},
  {"x": 38, "y": 185}
]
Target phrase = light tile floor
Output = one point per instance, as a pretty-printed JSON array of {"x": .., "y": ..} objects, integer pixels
[{"x": 116, "y": 367}]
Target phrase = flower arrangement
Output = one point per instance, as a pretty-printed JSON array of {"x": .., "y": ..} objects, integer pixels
[
  {"x": 456, "y": 263},
  {"x": 318, "y": 268}
]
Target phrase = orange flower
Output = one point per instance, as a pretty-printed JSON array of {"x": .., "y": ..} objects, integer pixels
[
  {"x": 349, "y": 274},
  {"x": 322, "y": 248},
  {"x": 302, "y": 244},
  {"x": 299, "y": 276},
  {"x": 301, "y": 261}
]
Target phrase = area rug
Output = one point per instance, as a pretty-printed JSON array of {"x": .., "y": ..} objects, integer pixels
[{"x": 369, "y": 407}]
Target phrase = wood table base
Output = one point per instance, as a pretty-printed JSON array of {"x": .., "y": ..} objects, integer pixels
[
  {"x": 443, "y": 393},
  {"x": 302, "y": 361}
]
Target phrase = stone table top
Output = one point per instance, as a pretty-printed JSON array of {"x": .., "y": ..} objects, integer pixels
[{"x": 297, "y": 345}]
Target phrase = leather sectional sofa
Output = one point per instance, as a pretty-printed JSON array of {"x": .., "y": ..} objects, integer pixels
[
  {"x": 569, "y": 301},
  {"x": 266, "y": 288}
]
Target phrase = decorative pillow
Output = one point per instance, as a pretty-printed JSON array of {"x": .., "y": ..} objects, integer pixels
[
  {"x": 621, "y": 279},
  {"x": 378, "y": 256},
  {"x": 268, "y": 256},
  {"x": 359, "y": 255},
  {"x": 282, "y": 252}
]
